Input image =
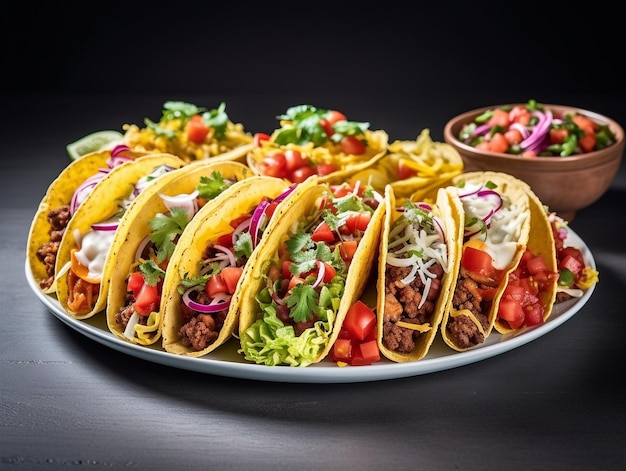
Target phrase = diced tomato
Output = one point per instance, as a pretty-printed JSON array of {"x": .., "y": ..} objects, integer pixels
[
  {"x": 512, "y": 312},
  {"x": 295, "y": 281},
  {"x": 269, "y": 211},
  {"x": 352, "y": 145},
  {"x": 357, "y": 222},
  {"x": 147, "y": 300},
  {"x": 533, "y": 314},
  {"x": 368, "y": 353},
  {"x": 326, "y": 169},
  {"x": 274, "y": 165},
  {"x": 294, "y": 159},
  {"x": 360, "y": 320},
  {"x": 301, "y": 174},
  {"x": 515, "y": 292},
  {"x": 329, "y": 272},
  {"x": 499, "y": 143},
  {"x": 584, "y": 123},
  {"x": 231, "y": 276},
  {"x": 572, "y": 264},
  {"x": 135, "y": 282},
  {"x": 588, "y": 141},
  {"x": 405, "y": 170},
  {"x": 259, "y": 137},
  {"x": 347, "y": 249},
  {"x": 558, "y": 136},
  {"x": 196, "y": 129},
  {"x": 536, "y": 265},
  {"x": 342, "y": 350},
  {"x": 478, "y": 261},
  {"x": 286, "y": 273},
  {"x": 500, "y": 118},
  {"x": 323, "y": 233},
  {"x": 529, "y": 154},
  {"x": 226, "y": 240},
  {"x": 513, "y": 136},
  {"x": 519, "y": 114},
  {"x": 216, "y": 285},
  {"x": 327, "y": 126},
  {"x": 334, "y": 116}
]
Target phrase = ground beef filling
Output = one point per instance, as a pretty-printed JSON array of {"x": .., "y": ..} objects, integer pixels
[
  {"x": 199, "y": 329},
  {"x": 467, "y": 295},
  {"x": 401, "y": 304},
  {"x": 47, "y": 254}
]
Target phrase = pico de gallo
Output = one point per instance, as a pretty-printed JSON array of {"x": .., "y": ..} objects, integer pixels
[
  {"x": 533, "y": 130},
  {"x": 145, "y": 282},
  {"x": 314, "y": 141},
  {"x": 306, "y": 280}
]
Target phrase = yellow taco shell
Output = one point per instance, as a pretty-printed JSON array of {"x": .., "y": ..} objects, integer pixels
[
  {"x": 103, "y": 203},
  {"x": 135, "y": 229},
  {"x": 425, "y": 333},
  {"x": 507, "y": 245},
  {"x": 210, "y": 223}
]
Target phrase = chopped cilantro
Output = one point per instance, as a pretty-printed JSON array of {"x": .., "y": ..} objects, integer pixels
[
  {"x": 210, "y": 187},
  {"x": 303, "y": 302},
  {"x": 152, "y": 273},
  {"x": 165, "y": 230}
]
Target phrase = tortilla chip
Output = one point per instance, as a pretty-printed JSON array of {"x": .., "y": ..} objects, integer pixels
[
  {"x": 102, "y": 204},
  {"x": 135, "y": 229},
  {"x": 453, "y": 231},
  {"x": 211, "y": 222}
]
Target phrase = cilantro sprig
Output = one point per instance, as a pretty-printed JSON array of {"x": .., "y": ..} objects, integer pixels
[
  {"x": 152, "y": 273},
  {"x": 183, "y": 112},
  {"x": 302, "y": 125},
  {"x": 165, "y": 230},
  {"x": 212, "y": 186}
]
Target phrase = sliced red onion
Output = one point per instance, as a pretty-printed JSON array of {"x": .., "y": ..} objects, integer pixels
[
  {"x": 227, "y": 251},
  {"x": 285, "y": 193},
  {"x": 258, "y": 219},
  {"x": 106, "y": 226},
  {"x": 521, "y": 128},
  {"x": 321, "y": 271},
  {"x": 481, "y": 130},
  {"x": 219, "y": 303},
  {"x": 540, "y": 130}
]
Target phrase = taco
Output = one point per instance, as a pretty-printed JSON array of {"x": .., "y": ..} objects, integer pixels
[
  {"x": 192, "y": 133},
  {"x": 214, "y": 255},
  {"x": 531, "y": 289},
  {"x": 313, "y": 141},
  {"x": 494, "y": 210},
  {"x": 87, "y": 252},
  {"x": 417, "y": 268},
  {"x": 152, "y": 231},
  {"x": 61, "y": 200},
  {"x": 315, "y": 263}
]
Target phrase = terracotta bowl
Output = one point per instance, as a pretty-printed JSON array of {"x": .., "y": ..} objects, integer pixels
[{"x": 564, "y": 184}]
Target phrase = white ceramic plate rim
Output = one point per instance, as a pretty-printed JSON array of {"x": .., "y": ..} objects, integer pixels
[{"x": 226, "y": 362}]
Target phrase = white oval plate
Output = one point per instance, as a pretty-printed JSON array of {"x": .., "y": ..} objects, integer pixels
[{"x": 225, "y": 361}]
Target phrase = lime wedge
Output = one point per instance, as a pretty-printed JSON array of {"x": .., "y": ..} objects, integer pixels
[{"x": 94, "y": 142}]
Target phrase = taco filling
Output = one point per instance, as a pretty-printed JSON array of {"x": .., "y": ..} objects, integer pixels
[
  {"x": 145, "y": 282},
  {"x": 490, "y": 244},
  {"x": 305, "y": 279},
  {"x": 417, "y": 259},
  {"x": 91, "y": 249},
  {"x": 59, "y": 217},
  {"x": 206, "y": 299}
]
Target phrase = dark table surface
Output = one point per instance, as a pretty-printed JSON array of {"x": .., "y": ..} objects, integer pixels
[{"x": 67, "y": 401}]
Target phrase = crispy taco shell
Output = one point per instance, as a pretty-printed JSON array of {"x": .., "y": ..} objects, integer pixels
[
  {"x": 58, "y": 194},
  {"x": 103, "y": 203},
  {"x": 507, "y": 245},
  {"x": 397, "y": 325},
  {"x": 212, "y": 222},
  {"x": 135, "y": 228},
  {"x": 540, "y": 242},
  {"x": 303, "y": 202}
]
